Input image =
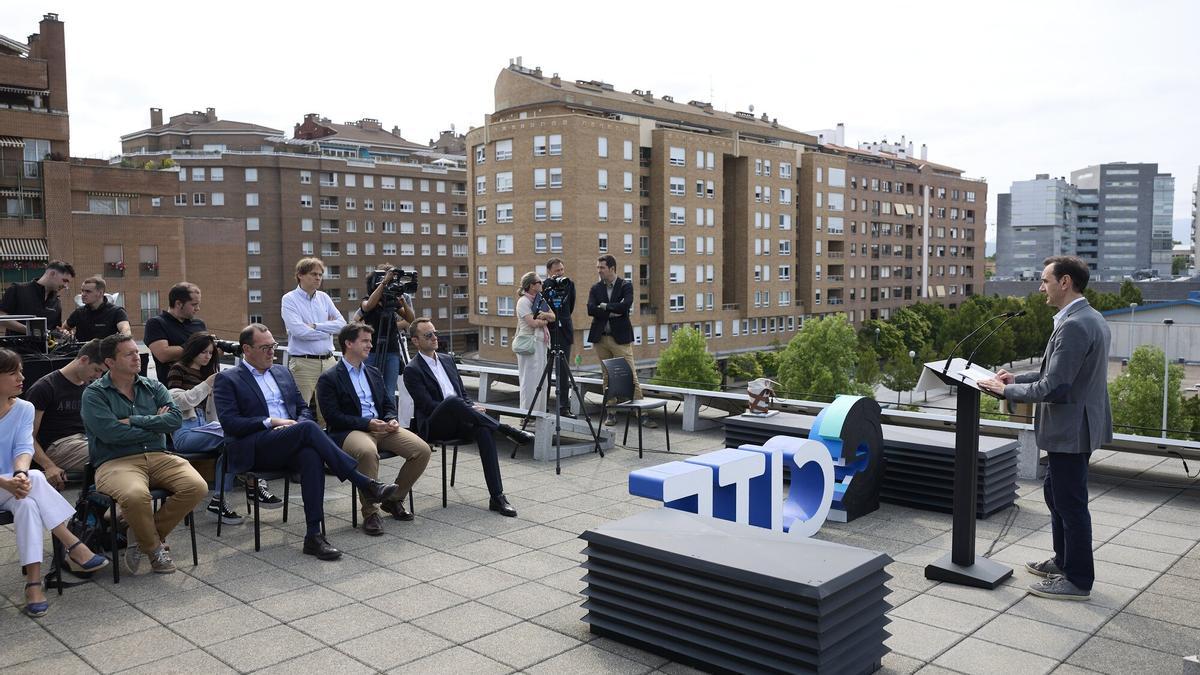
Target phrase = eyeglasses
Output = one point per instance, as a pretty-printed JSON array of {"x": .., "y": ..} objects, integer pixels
[
  {"x": 266, "y": 349},
  {"x": 430, "y": 334}
]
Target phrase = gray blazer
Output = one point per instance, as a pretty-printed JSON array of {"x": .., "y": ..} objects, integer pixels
[{"x": 1071, "y": 389}]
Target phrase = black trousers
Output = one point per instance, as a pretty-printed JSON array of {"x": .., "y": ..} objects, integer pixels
[
  {"x": 1066, "y": 495},
  {"x": 560, "y": 377},
  {"x": 305, "y": 449},
  {"x": 455, "y": 418}
]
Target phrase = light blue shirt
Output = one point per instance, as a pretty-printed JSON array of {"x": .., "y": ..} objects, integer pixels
[
  {"x": 271, "y": 392},
  {"x": 16, "y": 435},
  {"x": 1062, "y": 313},
  {"x": 362, "y": 387},
  {"x": 299, "y": 310}
]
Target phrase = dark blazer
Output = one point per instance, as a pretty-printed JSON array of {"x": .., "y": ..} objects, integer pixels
[
  {"x": 566, "y": 325},
  {"x": 1071, "y": 388},
  {"x": 617, "y": 312},
  {"x": 243, "y": 410},
  {"x": 426, "y": 393},
  {"x": 340, "y": 406}
]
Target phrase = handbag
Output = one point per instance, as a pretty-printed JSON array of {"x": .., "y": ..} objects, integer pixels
[{"x": 524, "y": 345}]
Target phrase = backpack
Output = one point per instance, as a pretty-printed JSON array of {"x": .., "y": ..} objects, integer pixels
[{"x": 90, "y": 524}]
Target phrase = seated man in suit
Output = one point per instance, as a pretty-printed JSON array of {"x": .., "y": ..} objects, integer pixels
[
  {"x": 268, "y": 426},
  {"x": 442, "y": 409},
  {"x": 360, "y": 415}
]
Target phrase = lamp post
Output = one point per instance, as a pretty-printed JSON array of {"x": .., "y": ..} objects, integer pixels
[
  {"x": 912, "y": 356},
  {"x": 1132, "y": 309},
  {"x": 1166, "y": 372}
]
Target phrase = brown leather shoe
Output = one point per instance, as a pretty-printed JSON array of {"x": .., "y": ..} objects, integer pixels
[
  {"x": 396, "y": 509},
  {"x": 373, "y": 525}
]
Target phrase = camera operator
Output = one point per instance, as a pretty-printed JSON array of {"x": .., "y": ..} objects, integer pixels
[
  {"x": 389, "y": 313},
  {"x": 311, "y": 320},
  {"x": 560, "y": 293}
]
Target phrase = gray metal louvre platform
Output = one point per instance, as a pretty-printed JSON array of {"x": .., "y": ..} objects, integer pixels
[
  {"x": 920, "y": 462},
  {"x": 735, "y": 598}
]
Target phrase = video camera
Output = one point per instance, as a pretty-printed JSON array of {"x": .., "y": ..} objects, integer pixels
[
  {"x": 555, "y": 290},
  {"x": 403, "y": 281},
  {"x": 231, "y": 348}
]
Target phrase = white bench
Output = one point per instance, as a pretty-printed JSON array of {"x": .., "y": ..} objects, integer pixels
[{"x": 543, "y": 432}]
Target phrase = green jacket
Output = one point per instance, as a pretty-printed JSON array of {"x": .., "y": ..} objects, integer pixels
[{"x": 103, "y": 405}]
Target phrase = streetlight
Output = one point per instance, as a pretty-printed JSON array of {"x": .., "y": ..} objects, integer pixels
[
  {"x": 912, "y": 356},
  {"x": 1132, "y": 309},
  {"x": 1166, "y": 372}
]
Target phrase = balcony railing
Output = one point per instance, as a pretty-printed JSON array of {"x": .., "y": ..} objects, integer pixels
[{"x": 836, "y": 254}]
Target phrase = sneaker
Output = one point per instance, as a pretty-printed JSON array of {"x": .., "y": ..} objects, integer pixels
[
  {"x": 135, "y": 560},
  {"x": 611, "y": 420},
  {"x": 161, "y": 562},
  {"x": 266, "y": 499},
  {"x": 227, "y": 516},
  {"x": 1058, "y": 588},
  {"x": 1043, "y": 569},
  {"x": 649, "y": 423}
]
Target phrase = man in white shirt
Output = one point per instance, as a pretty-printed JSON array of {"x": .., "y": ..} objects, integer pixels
[{"x": 311, "y": 320}]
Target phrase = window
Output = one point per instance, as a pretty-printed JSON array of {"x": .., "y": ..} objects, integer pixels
[
  {"x": 350, "y": 203},
  {"x": 181, "y": 198},
  {"x": 675, "y": 274},
  {"x": 369, "y": 181},
  {"x": 627, "y": 151},
  {"x": 504, "y": 181},
  {"x": 306, "y": 201},
  {"x": 676, "y": 303},
  {"x": 556, "y": 178},
  {"x": 481, "y": 246},
  {"x": 503, "y": 150},
  {"x": 251, "y": 175},
  {"x": 480, "y": 185},
  {"x": 389, "y": 249},
  {"x": 504, "y": 244},
  {"x": 369, "y": 248},
  {"x": 389, "y": 227},
  {"x": 837, "y": 177},
  {"x": 628, "y": 215},
  {"x": 482, "y": 307},
  {"x": 678, "y": 157},
  {"x": 602, "y": 211},
  {"x": 677, "y": 244},
  {"x": 480, "y": 154},
  {"x": 785, "y": 197},
  {"x": 785, "y": 247},
  {"x": 351, "y": 249},
  {"x": 481, "y": 276},
  {"x": 306, "y": 224},
  {"x": 254, "y": 272},
  {"x": 504, "y": 213},
  {"x": 218, "y": 199},
  {"x": 602, "y": 147},
  {"x": 306, "y": 248},
  {"x": 556, "y": 242},
  {"x": 628, "y": 246},
  {"x": 149, "y": 304},
  {"x": 197, "y": 173},
  {"x": 785, "y": 170},
  {"x": 481, "y": 215},
  {"x": 678, "y": 215},
  {"x": 785, "y": 272},
  {"x": 539, "y": 146},
  {"x": 112, "y": 205},
  {"x": 199, "y": 199},
  {"x": 602, "y": 179},
  {"x": 368, "y": 205},
  {"x": 555, "y": 144},
  {"x": 305, "y": 177},
  {"x": 539, "y": 242},
  {"x": 539, "y": 210},
  {"x": 555, "y": 209},
  {"x": 255, "y": 296},
  {"x": 406, "y": 184},
  {"x": 504, "y": 275},
  {"x": 627, "y": 184},
  {"x": 677, "y": 187},
  {"x": 253, "y": 248}
]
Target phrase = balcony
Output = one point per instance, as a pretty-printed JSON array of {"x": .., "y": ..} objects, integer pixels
[
  {"x": 458, "y": 213},
  {"x": 460, "y": 275},
  {"x": 461, "y": 316},
  {"x": 835, "y": 277},
  {"x": 730, "y": 307},
  {"x": 330, "y": 254},
  {"x": 460, "y": 296},
  {"x": 329, "y": 230},
  {"x": 836, "y": 254},
  {"x": 148, "y": 268},
  {"x": 459, "y": 193}
]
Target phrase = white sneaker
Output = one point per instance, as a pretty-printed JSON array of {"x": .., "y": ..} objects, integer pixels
[
  {"x": 135, "y": 560},
  {"x": 161, "y": 562}
]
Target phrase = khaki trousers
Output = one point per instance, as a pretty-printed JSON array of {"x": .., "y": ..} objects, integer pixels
[
  {"x": 129, "y": 480},
  {"x": 607, "y": 348},
  {"x": 306, "y": 372},
  {"x": 365, "y": 446},
  {"x": 69, "y": 453}
]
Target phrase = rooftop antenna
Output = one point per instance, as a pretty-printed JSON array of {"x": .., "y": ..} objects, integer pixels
[{"x": 751, "y": 107}]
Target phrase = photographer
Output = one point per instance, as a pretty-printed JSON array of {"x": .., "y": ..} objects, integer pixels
[
  {"x": 311, "y": 320},
  {"x": 389, "y": 312},
  {"x": 559, "y": 292},
  {"x": 532, "y": 339}
]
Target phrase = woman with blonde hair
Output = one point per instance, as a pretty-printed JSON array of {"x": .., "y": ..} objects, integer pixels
[{"x": 532, "y": 340}]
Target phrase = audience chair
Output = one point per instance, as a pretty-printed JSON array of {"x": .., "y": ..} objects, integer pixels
[
  {"x": 620, "y": 388},
  {"x": 54, "y": 572}
]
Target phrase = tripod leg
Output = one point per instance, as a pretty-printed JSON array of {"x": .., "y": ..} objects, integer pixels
[{"x": 595, "y": 429}]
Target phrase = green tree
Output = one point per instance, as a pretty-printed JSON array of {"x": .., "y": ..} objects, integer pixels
[
  {"x": 935, "y": 316},
  {"x": 1130, "y": 292},
  {"x": 1032, "y": 331},
  {"x": 821, "y": 360},
  {"x": 743, "y": 367},
  {"x": 914, "y": 327},
  {"x": 768, "y": 361},
  {"x": 971, "y": 314},
  {"x": 687, "y": 363},
  {"x": 1137, "y": 395},
  {"x": 901, "y": 373}
]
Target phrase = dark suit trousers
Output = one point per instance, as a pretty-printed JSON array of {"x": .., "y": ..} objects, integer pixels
[
  {"x": 303, "y": 448},
  {"x": 1066, "y": 495},
  {"x": 455, "y": 418},
  {"x": 560, "y": 376}
]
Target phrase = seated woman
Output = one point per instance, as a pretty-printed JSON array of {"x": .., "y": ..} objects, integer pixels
[
  {"x": 190, "y": 383},
  {"x": 34, "y": 504}
]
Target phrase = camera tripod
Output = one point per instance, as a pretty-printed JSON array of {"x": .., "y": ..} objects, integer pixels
[{"x": 557, "y": 356}]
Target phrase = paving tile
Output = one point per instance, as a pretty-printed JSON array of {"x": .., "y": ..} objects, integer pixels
[
  {"x": 1176, "y": 587},
  {"x": 1166, "y": 608},
  {"x": 1081, "y": 616},
  {"x": 580, "y": 522},
  {"x": 1154, "y": 542},
  {"x": 567, "y": 620},
  {"x": 478, "y": 582},
  {"x": 973, "y": 656},
  {"x": 908, "y": 576},
  {"x": 409, "y": 603},
  {"x": 631, "y": 653},
  {"x": 587, "y": 659},
  {"x": 133, "y": 649},
  {"x": 999, "y": 599},
  {"x": 264, "y": 648},
  {"x": 535, "y": 565},
  {"x": 301, "y": 603},
  {"x": 457, "y": 660},
  {"x": 326, "y": 661},
  {"x": 63, "y": 663},
  {"x": 1111, "y": 595},
  {"x": 370, "y": 584},
  {"x": 321, "y": 571},
  {"x": 262, "y": 585},
  {"x": 466, "y": 622},
  {"x": 522, "y": 645},
  {"x": 948, "y": 614},
  {"x": 1028, "y": 635},
  {"x": 194, "y": 661},
  {"x": 529, "y": 600},
  {"x": 80, "y": 631},
  {"x": 488, "y": 551},
  {"x": 569, "y": 580},
  {"x": 343, "y": 623},
  {"x": 1121, "y": 658},
  {"x": 918, "y": 640},
  {"x": 1167, "y": 528},
  {"x": 26, "y": 641},
  {"x": 1186, "y": 567},
  {"x": 221, "y": 625},
  {"x": 185, "y": 604},
  {"x": 433, "y": 566},
  {"x": 538, "y": 536},
  {"x": 392, "y": 551},
  {"x": 1124, "y": 575},
  {"x": 1152, "y": 634},
  {"x": 394, "y": 646}
]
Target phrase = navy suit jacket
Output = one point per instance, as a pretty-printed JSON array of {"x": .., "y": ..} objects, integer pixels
[
  {"x": 617, "y": 312},
  {"x": 426, "y": 393},
  {"x": 243, "y": 410},
  {"x": 341, "y": 407}
]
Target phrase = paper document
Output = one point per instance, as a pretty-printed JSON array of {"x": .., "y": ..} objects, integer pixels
[{"x": 975, "y": 373}]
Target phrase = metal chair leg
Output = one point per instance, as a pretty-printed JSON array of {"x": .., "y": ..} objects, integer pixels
[
  {"x": 667, "y": 428},
  {"x": 116, "y": 553},
  {"x": 56, "y": 567},
  {"x": 287, "y": 499},
  {"x": 353, "y": 506},
  {"x": 639, "y": 425},
  {"x": 443, "y": 475},
  {"x": 191, "y": 521},
  {"x": 625, "y": 439},
  {"x": 257, "y": 540},
  {"x": 454, "y": 466}
]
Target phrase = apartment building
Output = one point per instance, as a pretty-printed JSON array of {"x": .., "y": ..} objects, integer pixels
[
  {"x": 729, "y": 222},
  {"x": 676, "y": 192},
  {"x": 104, "y": 220},
  {"x": 1035, "y": 219},
  {"x": 354, "y": 194},
  {"x": 863, "y": 219}
]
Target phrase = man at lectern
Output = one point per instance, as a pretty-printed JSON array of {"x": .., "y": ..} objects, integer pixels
[{"x": 1073, "y": 418}]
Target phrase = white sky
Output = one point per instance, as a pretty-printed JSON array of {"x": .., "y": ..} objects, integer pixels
[{"x": 1001, "y": 90}]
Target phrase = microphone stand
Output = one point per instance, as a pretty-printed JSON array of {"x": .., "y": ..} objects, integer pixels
[
  {"x": 1007, "y": 317},
  {"x": 949, "y": 357}
]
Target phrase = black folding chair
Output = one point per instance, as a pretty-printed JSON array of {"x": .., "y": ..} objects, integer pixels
[
  {"x": 56, "y": 563},
  {"x": 620, "y": 389}
]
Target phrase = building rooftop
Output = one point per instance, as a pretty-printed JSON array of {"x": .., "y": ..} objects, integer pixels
[
  {"x": 367, "y": 131},
  {"x": 463, "y": 590},
  {"x": 198, "y": 122}
]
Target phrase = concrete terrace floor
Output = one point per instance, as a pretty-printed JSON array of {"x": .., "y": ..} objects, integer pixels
[{"x": 462, "y": 590}]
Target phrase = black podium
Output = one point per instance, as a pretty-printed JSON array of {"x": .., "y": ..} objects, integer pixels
[{"x": 961, "y": 565}]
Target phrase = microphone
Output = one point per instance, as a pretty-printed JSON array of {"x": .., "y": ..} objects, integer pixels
[
  {"x": 1007, "y": 316},
  {"x": 949, "y": 357}
]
